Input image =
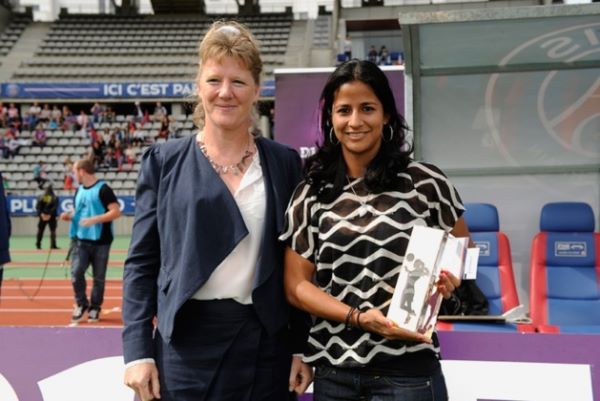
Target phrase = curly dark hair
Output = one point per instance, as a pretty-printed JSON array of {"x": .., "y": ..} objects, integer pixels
[{"x": 326, "y": 170}]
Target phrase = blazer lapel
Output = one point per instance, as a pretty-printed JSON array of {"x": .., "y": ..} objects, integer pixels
[{"x": 274, "y": 214}]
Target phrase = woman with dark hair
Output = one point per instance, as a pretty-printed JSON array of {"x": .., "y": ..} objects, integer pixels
[{"x": 348, "y": 226}]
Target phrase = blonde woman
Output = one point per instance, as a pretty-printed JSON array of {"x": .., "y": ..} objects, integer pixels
[{"x": 204, "y": 258}]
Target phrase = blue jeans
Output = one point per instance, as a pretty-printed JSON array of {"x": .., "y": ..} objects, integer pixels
[
  {"x": 82, "y": 255},
  {"x": 332, "y": 384}
]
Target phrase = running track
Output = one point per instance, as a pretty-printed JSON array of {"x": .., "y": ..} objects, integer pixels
[{"x": 53, "y": 303}]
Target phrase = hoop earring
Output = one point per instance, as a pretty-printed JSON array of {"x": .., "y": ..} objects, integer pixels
[
  {"x": 391, "y": 134},
  {"x": 331, "y": 136}
]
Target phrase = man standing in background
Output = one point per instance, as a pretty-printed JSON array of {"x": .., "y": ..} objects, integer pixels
[
  {"x": 46, "y": 207},
  {"x": 95, "y": 207},
  {"x": 5, "y": 229}
]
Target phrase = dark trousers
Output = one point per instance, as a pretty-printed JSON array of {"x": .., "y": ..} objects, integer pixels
[
  {"x": 334, "y": 384},
  {"x": 220, "y": 352},
  {"x": 40, "y": 232},
  {"x": 84, "y": 254}
]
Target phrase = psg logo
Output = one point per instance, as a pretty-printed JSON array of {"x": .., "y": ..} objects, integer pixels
[{"x": 562, "y": 103}]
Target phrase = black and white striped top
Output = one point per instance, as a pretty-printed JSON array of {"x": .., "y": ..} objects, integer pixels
[{"x": 357, "y": 243}]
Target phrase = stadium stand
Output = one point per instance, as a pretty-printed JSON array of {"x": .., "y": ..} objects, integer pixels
[
  {"x": 69, "y": 143},
  {"x": 13, "y": 32},
  {"x": 120, "y": 48},
  {"x": 91, "y": 47}
]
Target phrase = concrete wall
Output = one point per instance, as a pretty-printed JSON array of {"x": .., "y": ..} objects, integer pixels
[{"x": 4, "y": 17}]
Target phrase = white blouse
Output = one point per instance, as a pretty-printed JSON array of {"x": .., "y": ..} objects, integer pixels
[{"x": 234, "y": 277}]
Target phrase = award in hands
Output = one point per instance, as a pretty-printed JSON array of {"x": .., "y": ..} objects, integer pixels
[{"x": 416, "y": 301}]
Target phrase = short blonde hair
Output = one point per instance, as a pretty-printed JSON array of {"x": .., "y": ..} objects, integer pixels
[{"x": 229, "y": 39}]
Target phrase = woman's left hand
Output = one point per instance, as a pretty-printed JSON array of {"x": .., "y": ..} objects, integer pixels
[
  {"x": 447, "y": 283},
  {"x": 301, "y": 375}
]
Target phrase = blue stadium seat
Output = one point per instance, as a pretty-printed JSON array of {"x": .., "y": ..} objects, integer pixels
[
  {"x": 565, "y": 270},
  {"x": 341, "y": 58},
  {"x": 495, "y": 275}
]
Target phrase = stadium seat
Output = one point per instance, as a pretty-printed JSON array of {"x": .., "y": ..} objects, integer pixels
[
  {"x": 495, "y": 275},
  {"x": 341, "y": 58},
  {"x": 565, "y": 270},
  {"x": 396, "y": 57}
]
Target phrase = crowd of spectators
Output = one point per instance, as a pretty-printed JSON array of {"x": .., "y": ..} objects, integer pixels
[
  {"x": 112, "y": 147},
  {"x": 383, "y": 56}
]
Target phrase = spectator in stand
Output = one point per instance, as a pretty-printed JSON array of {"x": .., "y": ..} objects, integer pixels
[
  {"x": 93, "y": 136},
  {"x": 119, "y": 155},
  {"x": 39, "y": 136},
  {"x": 110, "y": 160},
  {"x": 384, "y": 55},
  {"x": 129, "y": 158},
  {"x": 98, "y": 153},
  {"x": 348, "y": 47},
  {"x": 126, "y": 137},
  {"x": 5, "y": 230},
  {"x": 112, "y": 139},
  {"x": 83, "y": 122},
  {"x": 12, "y": 143},
  {"x": 372, "y": 54},
  {"x": 138, "y": 137},
  {"x": 3, "y": 147},
  {"x": 97, "y": 111},
  {"x": 46, "y": 207},
  {"x": 138, "y": 112},
  {"x": 14, "y": 119},
  {"x": 163, "y": 131},
  {"x": 3, "y": 115},
  {"x": 33, "y": 115},
  {"x": 109, "y": 115},
  {"x": 173, "y": 129},
  {"x": 45, "y": 114},
  {"x": 159, "y": 112},
  {"x": 69, "y": 181},
  {"x": 12, "y": 147},
  {"x": 118, "y": 133},
  {"x": 56, "y": 115},
  {"x": 69, "y": 121},
  {"x": 40, "y": 174}
]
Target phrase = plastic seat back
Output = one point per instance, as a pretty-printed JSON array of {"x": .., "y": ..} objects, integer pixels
[
  {"x": 565, "y": 270},
  {"x": 495, "y": 275}
]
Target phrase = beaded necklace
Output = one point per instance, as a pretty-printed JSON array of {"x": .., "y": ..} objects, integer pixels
[{"x": 235, "y": 168}]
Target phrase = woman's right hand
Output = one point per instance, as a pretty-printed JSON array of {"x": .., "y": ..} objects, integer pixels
[
  {"x": 143, "y": 379},
  {"x": 374, "y": 321}
]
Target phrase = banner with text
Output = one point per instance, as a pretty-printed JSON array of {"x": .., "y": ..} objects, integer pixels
[
  {"x": 25, "y": 205},
  {"x": 107, "y": 90}
]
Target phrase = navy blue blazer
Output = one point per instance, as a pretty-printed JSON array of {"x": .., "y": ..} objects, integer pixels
[
  {"x": 186, "y": 223},
  {"x": 5, "y": 226}
]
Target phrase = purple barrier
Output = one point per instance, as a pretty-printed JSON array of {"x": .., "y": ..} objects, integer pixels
[
  {"x": 63, "y": 364},
  {"x": 29, "y": 355}
]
